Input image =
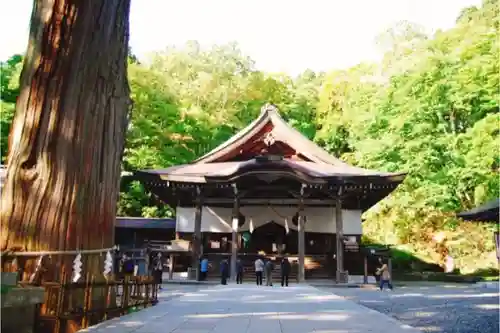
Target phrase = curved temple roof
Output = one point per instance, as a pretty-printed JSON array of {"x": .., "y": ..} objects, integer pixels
[
  {"x": 282, "y": 131},
  {"x": 316, "y": 165}
]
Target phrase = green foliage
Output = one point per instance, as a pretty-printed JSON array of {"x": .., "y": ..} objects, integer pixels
[
  {"x": 135, "y": 201},
  {"x": 9, "y": 90},
  {"x": 429, "y": 108},
  {"x": 9, "y": 80}
]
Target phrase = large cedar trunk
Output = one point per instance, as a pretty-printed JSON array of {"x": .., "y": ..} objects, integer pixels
[{"x": 68, "y": 134}]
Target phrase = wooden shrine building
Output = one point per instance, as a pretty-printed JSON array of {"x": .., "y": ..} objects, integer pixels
[{"x": 270, "y": 190}]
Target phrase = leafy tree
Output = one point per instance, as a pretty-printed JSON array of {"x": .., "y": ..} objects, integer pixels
[
  {"x": 9, "y": 90},
  {"x": 9, "y": 80},
  {"x": 434, "y": 113}
]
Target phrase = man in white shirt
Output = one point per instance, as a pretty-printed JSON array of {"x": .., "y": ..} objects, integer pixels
[{"x": 259, "y": 269}]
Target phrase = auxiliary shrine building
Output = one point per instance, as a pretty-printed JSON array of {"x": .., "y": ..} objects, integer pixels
[{"x": 270, "y": 191}]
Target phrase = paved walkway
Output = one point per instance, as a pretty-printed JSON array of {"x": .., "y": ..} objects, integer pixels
[{"x": 250, "y": 309}]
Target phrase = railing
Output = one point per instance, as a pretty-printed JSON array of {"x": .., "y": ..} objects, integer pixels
[
  {"x": 90, "y": 293},
  {"x": 70, "y": 307}
]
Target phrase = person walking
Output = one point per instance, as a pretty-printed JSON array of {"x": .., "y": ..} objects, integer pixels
[
  {"x": 224, "y": 271},
  {"x": 259, "y": 270},
  {"x": 385, "y": 275},
  {"x": 269, "y": 273},
  {"x": 285, "y": 271},
  {"x": 239, "y": 271}
]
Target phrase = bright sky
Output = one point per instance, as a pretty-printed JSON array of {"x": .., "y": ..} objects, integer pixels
[{"x": 280, "y": 35}]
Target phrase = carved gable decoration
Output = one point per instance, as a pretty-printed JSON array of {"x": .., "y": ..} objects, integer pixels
[{"x": 269, "y": 139}]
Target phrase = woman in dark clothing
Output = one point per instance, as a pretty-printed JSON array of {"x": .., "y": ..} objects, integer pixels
[
  {"x": 158, "y": 264},
  {"x": 224, "y": 271},
  {"x": 285, "y": 271},
  {"x": 239, "y": 272}
]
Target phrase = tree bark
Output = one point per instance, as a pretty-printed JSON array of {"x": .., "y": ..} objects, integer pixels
[{"x": 69, "y": 130}]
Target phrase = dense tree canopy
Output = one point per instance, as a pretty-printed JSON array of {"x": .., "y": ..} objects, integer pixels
[{"x": 429, "y": 108}]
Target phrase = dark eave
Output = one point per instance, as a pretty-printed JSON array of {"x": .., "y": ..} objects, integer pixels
[
  {"x": 489, "y": 212},
  {"x": 281, "y": 191},
  {"x": 144, "y": 223},
  {"x": 307, "y": 172}
]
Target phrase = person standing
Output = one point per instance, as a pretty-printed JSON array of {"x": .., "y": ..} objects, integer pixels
[
  {"x": 224, "y": 271},
  {"x": 121, "y": 266},
  {"x": 285, "y": 271},
  {"x": 158, "y": 264},
  {"x": 142, "y": 267},
  {"x": 204, "y": 269},
  {"x": 385, "y": 275},
  {"x": 141, "y": 273},
  {"x": 127, "y": 266},
  {"x": 239, "y": 271},
  {"x": 269, "y": 273},
  {"x": 259, "y": 269}
]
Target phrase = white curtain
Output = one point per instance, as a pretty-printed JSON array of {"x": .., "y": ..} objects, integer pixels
[{"x": 319, "y": 219}]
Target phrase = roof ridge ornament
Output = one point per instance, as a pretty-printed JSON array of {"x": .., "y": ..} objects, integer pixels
[{"x": 269, "y": 107}]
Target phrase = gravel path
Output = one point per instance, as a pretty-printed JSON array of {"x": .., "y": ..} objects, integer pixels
[{"x": 444, "y": 308}]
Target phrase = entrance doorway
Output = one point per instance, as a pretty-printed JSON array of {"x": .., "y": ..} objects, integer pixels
[{"x": 270, "y": 238}]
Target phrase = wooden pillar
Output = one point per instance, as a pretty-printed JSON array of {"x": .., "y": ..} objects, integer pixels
[
  {"x": 389, "y": 266},
  {"x": 301, "y": 276},
  {"x": 171, "y": 267},
  {"x": 339, "y": 232},
  {"x": 365, "y": 276},
  {"x": 331, "y": 255},
  {"x": 196, "y": 243},
  {"x": 234, "y": 233}
]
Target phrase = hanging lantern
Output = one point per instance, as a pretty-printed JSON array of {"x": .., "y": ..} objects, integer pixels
[
  {"x": 77, "y": 268},
  {"x": 250, "y": 227},
  {"x": 287, "y": 228}
]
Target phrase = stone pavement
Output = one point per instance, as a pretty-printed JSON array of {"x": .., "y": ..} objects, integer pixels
[
  {"x": 250, "y": 309},
  {"x": 434, "y": 307}
]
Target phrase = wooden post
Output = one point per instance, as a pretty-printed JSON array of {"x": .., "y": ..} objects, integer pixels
[
  {"x": 126, "y": 293},
  {"x": 365, "y": 277},
  {"x": 389, "y": 265},
  {"x": 234, "y": 233},
  {"x": 301, "y": 238},
  {"x": 108, "y": 299},
  {"x": 171, "y": 266},
  {"x": 339, "y": 232},
  {"x": 197, "y": 234}
]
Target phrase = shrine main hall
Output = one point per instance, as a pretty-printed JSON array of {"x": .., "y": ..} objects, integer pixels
[{"x": 270, "y": 191}]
